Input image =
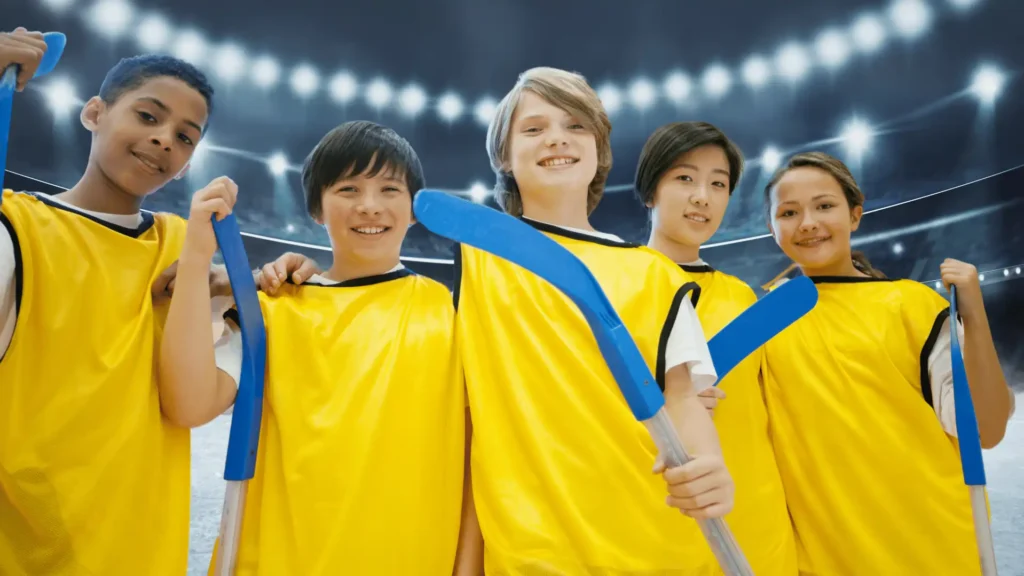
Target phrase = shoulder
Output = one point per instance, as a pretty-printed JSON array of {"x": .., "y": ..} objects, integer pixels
[
  {"x": 737, "y": 288},
  {"x": 432, "y": 290},
  {"x": 168, "y": 220},
  {"x": 916, "y": 294}
]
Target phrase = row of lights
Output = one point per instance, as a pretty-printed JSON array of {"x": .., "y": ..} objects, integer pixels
[
  {"x": 856, "y": 136},
  {"x": 792, "y": 62}
]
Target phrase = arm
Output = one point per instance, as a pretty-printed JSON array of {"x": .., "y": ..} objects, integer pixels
[
  {"x": 192, "y": 390},
  {"x": 993, "y": 399},
  {"x": 8, "y": 289},
  {"x": 689, "y": 415},
  {"x": 469, "y": 559}
]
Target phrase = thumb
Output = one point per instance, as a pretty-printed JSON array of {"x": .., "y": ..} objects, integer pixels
[{"x": 659, "y": 465}]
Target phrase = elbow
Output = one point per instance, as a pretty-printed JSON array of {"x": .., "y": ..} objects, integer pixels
[
  {"x": 182, "y": 417},
  {"x": 992, "y": 434}
]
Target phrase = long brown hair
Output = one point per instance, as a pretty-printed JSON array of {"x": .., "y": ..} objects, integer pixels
[{"x": 837, "y": 170}]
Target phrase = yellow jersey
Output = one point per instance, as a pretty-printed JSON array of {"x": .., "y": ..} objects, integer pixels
[
  {"x": 362, "y": 447},
  {"x": 759, "y": 519},
  {"x": 873, "y": 483},
  {"x": 93, "y": 479},
  {"x": 561, "y": 469}
]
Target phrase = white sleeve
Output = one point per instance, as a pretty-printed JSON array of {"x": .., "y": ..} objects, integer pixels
[
  {"x": 686, "y": 345},
  {"x": 228, "y": 351},
  {"x": 940, "y": 376},
  {"x": 8, "y": 290}
]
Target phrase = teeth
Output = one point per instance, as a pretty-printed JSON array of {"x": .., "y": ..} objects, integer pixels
[
  {"x": 558, "y": 162},
  {"x": 370, "y": 229},
  {"x": 812, "y": 242},
  {"x": 697, "y": 218}
]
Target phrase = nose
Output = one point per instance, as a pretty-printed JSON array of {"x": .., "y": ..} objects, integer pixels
[
  {"x": 808, "y": 222},
  {"x": 162, "y": 137},
  {"x": 555, "y": 136},
  {"x": 699, "y": 196},
  {"x": 369, "y": 204}
]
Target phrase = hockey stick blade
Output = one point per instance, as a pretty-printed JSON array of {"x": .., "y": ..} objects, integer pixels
[
  {"x": 248, "y": 410},
  {"x": 761, "y": 322}
]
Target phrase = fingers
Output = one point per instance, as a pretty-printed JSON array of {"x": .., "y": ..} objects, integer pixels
[
  {"x": 659, "y": 465},
  {"x": 711, "y": 505},
  {"x": 693, "y": 470},
  {"x": 222, "y": 189},
  {"x": 218, "y": 207},
  {"x": 306, "y": 271},
  {"x": 268, "y": 280},
  {"x": 709, "y": 398},
  {"x": 701, "y": 488},
  {"x": 162, "y": 282},
  {"x": 25, "y": 49}
]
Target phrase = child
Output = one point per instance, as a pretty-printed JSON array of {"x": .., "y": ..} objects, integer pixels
[
  {"x": 93, "y": 479},
  {"x": 686, "y": 175},
  {"x": 561, "y": 469},
  {"x": 859, "y": 393},
  {"x": 361, "y": 455}
]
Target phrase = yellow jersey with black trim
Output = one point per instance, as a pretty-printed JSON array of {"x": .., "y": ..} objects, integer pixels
[
  {"x": 562, "y": 471},
  {"x": 362, "y": 448},
  {"x": 873, "y": 482},
  {"x": 759, "y": 519},
  {"x": 93, "y": 479}
]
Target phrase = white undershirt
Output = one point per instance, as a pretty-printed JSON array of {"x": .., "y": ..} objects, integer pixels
[{"x": 8, "y": 300}]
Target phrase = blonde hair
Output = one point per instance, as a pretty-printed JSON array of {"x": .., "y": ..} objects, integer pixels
[{"x": 568, "y": 91}]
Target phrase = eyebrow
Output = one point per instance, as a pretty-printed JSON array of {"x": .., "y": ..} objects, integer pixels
[
  {"x": 818, "y": 197},
  {"x": 694, "y": 168},
  {"x": 167, "y": 109}
]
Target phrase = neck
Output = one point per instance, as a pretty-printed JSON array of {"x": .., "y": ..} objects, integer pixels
[
  {"x": 559, "y": 209},
  {"x": 96, "y": 192},
  {"x": 344, "y": 269},
  {"x": 843, "y": 267},
  {"x": 676, "y": 251}
]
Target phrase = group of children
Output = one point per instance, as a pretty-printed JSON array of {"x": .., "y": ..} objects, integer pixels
[{"x": 411, "y": 430}]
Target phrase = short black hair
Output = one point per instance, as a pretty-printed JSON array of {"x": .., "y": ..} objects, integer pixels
[
  {"x": 670, "y": 142},
  {"x": 131, "y": 73},
  {"x": 353, "y": 148}
]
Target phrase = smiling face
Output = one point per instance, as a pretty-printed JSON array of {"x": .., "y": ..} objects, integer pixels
[
  {"x": 552, "y": 155},
  {"x": 367, "y": 216},
  {"x": 691, "y": 197},
  {"x": 147, "y": 136},
  {"x": 811, "y": 220}
]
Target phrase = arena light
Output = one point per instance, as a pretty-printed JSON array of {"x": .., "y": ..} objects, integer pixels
[
  {"x": 450, "y": 107},
  {"x": 153, "y": 33},
  {"x": 265, "y": 72},
  {"x": 61, "y": 97},
  {"x": 677, "y": 87},
  {"x": 229, "y": 62},
  {"x": 484, "y": 110},
  {"x": 988, "y": 83},
  {"x": 58, "y": 5},
  {"x": 642, "y": 94},
  {"x": 716, "y": 81},
  {"x": 771, "y": 159},
  {"x": 412, "y": 100},
  {"x": 378, "y": 94},
  {"x": 278, "y": 164},
  {"x": 964, "y": 5},
  {"x": 304, "y": 80},
  {"x": 478, "y": 192},
  {"x": 868, "y": 33},
  {"x": 756, "y": 71},
  {"x": 833, "y": 48},
  {"x": 897, "y": 248},
  {"x": 189, "y": 46},
  {"x": 110, "y": 18},
  {"x": 910, "y": 18},
  {"x": 610, "y": 97},
  {"x": 343, "y": 87},
  {"x": 857, "y": 137},
  {"x": 792, "y": 62}
]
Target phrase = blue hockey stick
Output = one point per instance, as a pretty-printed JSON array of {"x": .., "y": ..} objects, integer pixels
[
  {"x": 970, "y": 445},
  {"x": 517, "y": 242},
  {"x": 55, "y": 42},
  {"x": 248, "y": 410}
]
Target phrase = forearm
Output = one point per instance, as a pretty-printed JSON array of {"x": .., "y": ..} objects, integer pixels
[
  {"x": 187, "y": 365},
  {"x": 989, "y": 391},
  {"x": 469, "y": 559},
  {"x": 691, "y": 419}
]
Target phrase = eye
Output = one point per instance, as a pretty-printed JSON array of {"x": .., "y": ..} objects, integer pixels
[
  {"x": 826, "y": 206},
  {"x": 531, "y": 130},
  {"x": 346, "y": 189},
  {"x": 684, "y": 178},
  {"x": 392, "y": 189},
  {"x": 577, "y": 126},
  {"x": 719, "y": 184},
  {"x": 184, "y": 138},
  {"x": 787, "y": 213},
  {"x": 146, "y": 116}
]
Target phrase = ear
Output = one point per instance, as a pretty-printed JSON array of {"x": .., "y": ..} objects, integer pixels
[
  {"x": 92, "y": 113},
  {"x": 183, "y": 172},
  {"x": 855, "y": 215},
  {"x": 768, "y": 222}
]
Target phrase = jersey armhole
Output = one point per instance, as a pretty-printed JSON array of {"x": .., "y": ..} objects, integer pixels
[
  {"x": 926, "y": 352},
  {"x": 693, "y": 290},
  {"x": 456, "y": 274},
  {"x": 18, "y": 278}
]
